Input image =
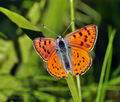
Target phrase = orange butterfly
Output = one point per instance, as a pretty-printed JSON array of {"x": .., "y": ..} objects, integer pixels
[{"x": 70, "y": 54}]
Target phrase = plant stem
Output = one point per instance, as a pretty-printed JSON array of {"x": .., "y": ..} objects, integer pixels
[
  {"x": 79, "y": 87},
  {"x": 72, "y": 87},
  {"x": 72, "y": 14},
  {"x": 100, "y": 86},
  {"x": 73, "y": 29}
]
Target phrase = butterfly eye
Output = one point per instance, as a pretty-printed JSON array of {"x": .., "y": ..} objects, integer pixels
[{"x": 61, "y": 44}]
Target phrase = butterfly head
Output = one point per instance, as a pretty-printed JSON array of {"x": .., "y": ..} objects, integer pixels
[
  {"x": 59, "y": 37},
  {"x": 60, "y": 42}
]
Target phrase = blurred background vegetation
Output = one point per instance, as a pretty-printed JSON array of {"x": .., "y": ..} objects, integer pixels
[{"x": 23, "y": 77}]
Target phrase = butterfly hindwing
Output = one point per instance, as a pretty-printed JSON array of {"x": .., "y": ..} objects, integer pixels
[
  {"x": 44, "y": 47},
  {"x": 55, "y": 67},
  {"x": 83, "y": 38},
  {"x": 80, "y": 60}
]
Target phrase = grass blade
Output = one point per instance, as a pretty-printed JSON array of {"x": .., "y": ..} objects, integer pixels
[
  {"x": 108, "y": 67},
  {"x": 102, "y": 76}
]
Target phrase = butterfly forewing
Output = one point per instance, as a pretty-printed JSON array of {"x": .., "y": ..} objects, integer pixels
[
  {"x": 44, "y": 47},
  {"x": 80, "y": 60},
  {"x": 55, "y": 66},
  {"x": 83, "y": 38}
]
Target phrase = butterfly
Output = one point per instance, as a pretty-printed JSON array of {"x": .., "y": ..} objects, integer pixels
[{"x": 69, "y": 54}]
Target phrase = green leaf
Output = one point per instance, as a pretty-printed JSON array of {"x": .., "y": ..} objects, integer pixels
[
  {"x": 3, "y": 36},
  {"x": 115, "y": 81},
  {"x": 8, "y": 58},
  {"x": 31, "y": 30},
  {"x": 18, "y": 19},
  {"x": 116, "y": 72},
  {"x": 35, "y": 13}
]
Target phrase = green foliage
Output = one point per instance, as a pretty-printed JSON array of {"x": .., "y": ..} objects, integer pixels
[
  {"x": 18, "y": 19},
  {"x": 23, "y": 77},
  {"x": 105, "y": 67}
]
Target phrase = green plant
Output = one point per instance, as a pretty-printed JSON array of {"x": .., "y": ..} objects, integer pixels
[{"x": 105, "y": 67}]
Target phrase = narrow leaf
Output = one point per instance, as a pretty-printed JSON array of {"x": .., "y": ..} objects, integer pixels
[{"x": 31, "y": 30}]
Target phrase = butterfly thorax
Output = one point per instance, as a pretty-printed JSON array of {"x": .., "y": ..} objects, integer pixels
[
  {"x": 62, "y": 47},
  {"x": 63, "y": 52}
]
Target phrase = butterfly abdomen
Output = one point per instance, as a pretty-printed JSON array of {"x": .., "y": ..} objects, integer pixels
[
  {"x": 66, "y": 62},
  {"x": 63, "y": 53}
]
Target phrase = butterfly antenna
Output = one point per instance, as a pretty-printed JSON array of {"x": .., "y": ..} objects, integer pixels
[
  {"x": 45, "y": 27},
  {"x": 67, "y": 28}
]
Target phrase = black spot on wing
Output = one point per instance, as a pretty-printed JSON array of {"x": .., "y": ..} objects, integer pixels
[
  {"x": 77, "y": 55},
  {"x": 87, "y": 30},
  {"x": 78, "y": 64},
  {"x": 81, "y": 44},
  {"x": 74, "y": 36},
  {"x": 39, "y": 45},
  {"x": 54, "y": 60},
  {"x": 80, "y": 33},
  {"x": 48, "y": 51},
  {"x": 45, "y": 50},
  {"x": 83, "y": 59},
  {"x": 86, "y": 36},
  {"x": 45, "y": 42},
  {"x": 85, "y": 40},
  {"x": 43, "y": 47},
  {"x": 49, "y": 42}
]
